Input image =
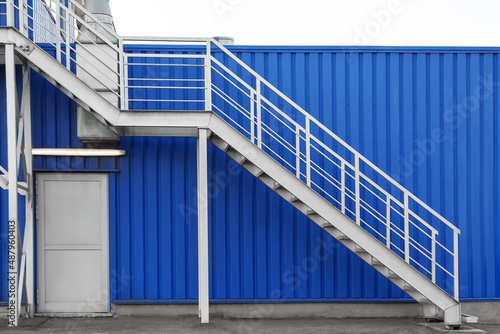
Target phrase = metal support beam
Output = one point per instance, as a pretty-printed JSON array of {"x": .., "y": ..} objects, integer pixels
[
  {"x": 29, "y": 241},
  {"x": 10, "y": 76},
  {"x": 203, "y": 303}
]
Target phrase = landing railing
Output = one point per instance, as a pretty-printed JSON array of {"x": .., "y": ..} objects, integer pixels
[{"x": 212, "y": 78}]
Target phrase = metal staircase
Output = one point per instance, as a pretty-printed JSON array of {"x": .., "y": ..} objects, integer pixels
[{"x": 211, "y": 93}]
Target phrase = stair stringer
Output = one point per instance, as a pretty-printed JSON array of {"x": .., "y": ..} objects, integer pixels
[
  {"x": 59, "y": 76},
  {"x": 354, "y": 237}
]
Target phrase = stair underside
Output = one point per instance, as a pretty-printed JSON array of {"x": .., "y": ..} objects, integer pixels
[{"x": 257, "y": 162}]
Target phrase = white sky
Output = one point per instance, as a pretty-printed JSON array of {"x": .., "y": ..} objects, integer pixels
[{"x": 316, "y": 22}]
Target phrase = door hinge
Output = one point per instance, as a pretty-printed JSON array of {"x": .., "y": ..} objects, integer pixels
[{"x": 37, "y": 296}]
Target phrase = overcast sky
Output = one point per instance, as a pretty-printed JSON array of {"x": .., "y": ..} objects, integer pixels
[{"x": 316, "y": 22}]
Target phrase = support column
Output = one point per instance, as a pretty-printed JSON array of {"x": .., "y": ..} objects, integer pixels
[
  {"x": 13, "y": 224},
  {"x": 203, "y": 287},
  {"x": 28, "y": 242}
]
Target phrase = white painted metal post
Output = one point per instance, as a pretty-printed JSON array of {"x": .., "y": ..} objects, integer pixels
[
  {"x": 123, "y": 76},
  {"x": 29, "y": 242},
  {"x": 342, "y": 185},
  {"x": 10, "y": 13},
  {"x": 252, "y": 116},
  {"x": 208, "y": 77},
  {"x": 259, "y": 112},
  {"x": 308, "y": 151},
  {"x": 407, "y": 227},
  {"x": 58, "y": 30},
  {"x": 203, "y": 227},
  {"x": 388, "y": 222},
  {"x": 455, "y": 266},
  {"x": 433, "y": 257},
  {"x": 357, "y": 190},
  {"x": 13, "y": 162},
  {"x": 297, "y": 151}
]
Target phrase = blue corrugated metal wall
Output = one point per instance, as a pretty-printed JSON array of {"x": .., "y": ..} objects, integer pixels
[{"x": 427, "y": 116}]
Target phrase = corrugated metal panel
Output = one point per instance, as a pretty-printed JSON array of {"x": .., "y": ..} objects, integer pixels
[{"x": 427, "y": 116}]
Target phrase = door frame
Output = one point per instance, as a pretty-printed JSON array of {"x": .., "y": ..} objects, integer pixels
[{"x": 103, "y": 178}]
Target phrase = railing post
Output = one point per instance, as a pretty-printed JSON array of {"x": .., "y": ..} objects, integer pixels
[
  {"x": 68, "y": 38},
  {"x": 342, "y": 186},
  {"x": 388, "y": 222},
  {"x": 357, "y": 190},
  {"x": 123, "y": 75},
  {"x": 308, "y": 151},
  {"x": 455, "y": 264},
  {"x": 23, "y": 18},
  {"x": 433, "y": 256},
  {"x": 10, "y": 13},
  {"x": 208, "y": 77},
  {"x": 407, "y": 227},
  {"x": 252, "y": 116},
  {"x": 58, "y": 30},
  {"x": 259, "y": 112},
  {"x": 297, "y": 152}
]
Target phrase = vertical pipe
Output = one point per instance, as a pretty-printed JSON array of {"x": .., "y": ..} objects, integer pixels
[
  {"x": 121, "y": 65},
  {"x": 125, "y": 83},
  {"x": 252, "y": 116},
  {"x": 10, "y": 13},
  {"x": 308, "y": 150},
  {"x": 342, "y": 185},
  {"x": 297, "y": 151},
  {"x": 259, "y": 111},
  {"x": 407, "y": 227},
  {"x": 58, "y": 31},
  {"x": 29, "y": 242},
  {"x": 68, "y": 38},
  {"x": 388, "y": 222},
  {"x": 433, "y": 257},
  {"x": 357, "y": 190},
  {"x": 203, "y": 227},
  {"x": 455, "y": 260},
  {"x": 10, "y": 76},
  {"x": 208, "y": 77}
]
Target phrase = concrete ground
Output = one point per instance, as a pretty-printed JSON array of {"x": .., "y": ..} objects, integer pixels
[{"x": 189, "y": 324}]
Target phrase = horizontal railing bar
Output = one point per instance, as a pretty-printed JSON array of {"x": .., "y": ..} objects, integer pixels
[
  {"x": 161, "y": 79},
  {"x": 421, "y": 248},
  {"x": 164, "y": 87},
  {"x": 164, "y": 65},
  {"x": 166, "y": 56},
  {"x": 155, "y": 100}
]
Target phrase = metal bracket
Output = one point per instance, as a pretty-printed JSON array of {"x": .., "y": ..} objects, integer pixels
[{"x": 25, "y": 48}]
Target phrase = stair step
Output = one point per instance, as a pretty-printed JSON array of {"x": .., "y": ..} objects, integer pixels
[
  {"x": 319, "y": 220},
  {"x": 268, "y": 181},
  {"x": 221, "y": 144},
  {"x": 421, "y": 299},
  {"x": 392, "y": 274},
  {"x": 254, "y": 170},
  {"x": 407, "y": 287},
  {"x": 359, "y": 249},
  {"x": 377, "y": 263},
  {"x": 302, "y": 207},
  {"x": 236, "y": 156}
]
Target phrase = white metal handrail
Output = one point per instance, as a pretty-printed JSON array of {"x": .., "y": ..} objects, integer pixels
[{"x": 272, "y": 121}]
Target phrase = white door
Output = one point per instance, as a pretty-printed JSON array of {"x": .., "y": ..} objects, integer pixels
[{"x": 72, "y": 241}]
